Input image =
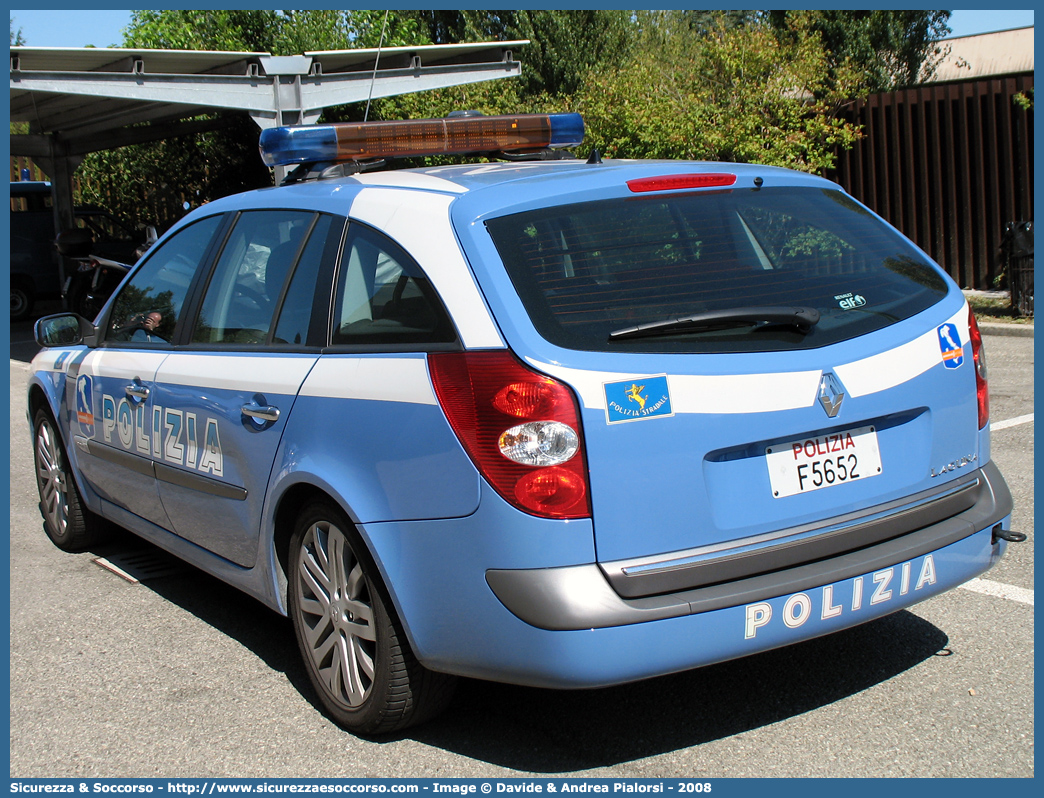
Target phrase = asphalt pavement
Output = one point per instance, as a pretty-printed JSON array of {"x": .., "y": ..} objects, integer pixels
[{"x": 178, "y": 675}]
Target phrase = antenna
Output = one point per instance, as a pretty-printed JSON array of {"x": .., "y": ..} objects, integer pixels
[{"x": 376, "y": 61}]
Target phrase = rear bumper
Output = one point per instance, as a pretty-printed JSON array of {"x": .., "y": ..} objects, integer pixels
[
  {"x": 582, "y": 597},
  {"x": 547, "y": 616}
]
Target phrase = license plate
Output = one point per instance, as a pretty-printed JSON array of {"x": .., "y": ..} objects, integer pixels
[{"x": 808, "y": 464}]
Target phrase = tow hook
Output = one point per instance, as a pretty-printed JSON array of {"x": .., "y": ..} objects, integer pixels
[{"x": 1008, "y": 535}]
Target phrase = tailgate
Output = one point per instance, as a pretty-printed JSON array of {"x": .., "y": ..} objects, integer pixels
[{"x": 690, "y": 463}]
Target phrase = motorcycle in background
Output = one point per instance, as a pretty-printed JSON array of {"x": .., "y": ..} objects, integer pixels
[{"x": 87, "y": 289}]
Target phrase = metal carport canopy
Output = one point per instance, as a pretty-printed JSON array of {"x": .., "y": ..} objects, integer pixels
[{"x": 80, "y": 100}]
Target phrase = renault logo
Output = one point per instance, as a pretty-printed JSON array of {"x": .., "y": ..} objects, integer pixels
[{"x": 831, "y": 394}]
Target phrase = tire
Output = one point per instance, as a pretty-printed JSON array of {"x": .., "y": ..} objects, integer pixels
[
  {"x": 354, "y": 649},
  {"x": 77, "y": 300},
  {"x": 22, "y": 300},
  {"x": 69, "y": 525}
]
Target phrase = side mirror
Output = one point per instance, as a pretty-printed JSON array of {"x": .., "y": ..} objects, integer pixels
[{"x": 65, "y": 329}]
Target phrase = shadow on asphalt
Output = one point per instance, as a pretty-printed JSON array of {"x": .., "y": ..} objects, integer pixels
[
  {"x": 550, "y": 731},
  {"x": 546, "y": 731},
  {"x": 23, "y": 347}
]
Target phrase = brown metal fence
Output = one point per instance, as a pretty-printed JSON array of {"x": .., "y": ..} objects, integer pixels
[{"x": 951, "y": 165}]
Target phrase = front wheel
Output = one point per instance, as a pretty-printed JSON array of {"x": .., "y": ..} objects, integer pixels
[
  {"x": 69, "y": 525},
  {"x": 355, "y": 651}
]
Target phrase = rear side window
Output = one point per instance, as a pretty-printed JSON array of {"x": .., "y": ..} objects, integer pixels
[
  {"x": 587, "y": 270},
  {"x": 383, "y": 297}
]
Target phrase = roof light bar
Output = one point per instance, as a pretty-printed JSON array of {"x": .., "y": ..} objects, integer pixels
[
  {"x": 677, "y": 182},
  {"x": 283, "y": 146}
]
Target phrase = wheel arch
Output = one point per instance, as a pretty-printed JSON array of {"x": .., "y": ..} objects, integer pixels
[
  {"x": 38, "y": 398},
  {"x": 288, "y": 507}
]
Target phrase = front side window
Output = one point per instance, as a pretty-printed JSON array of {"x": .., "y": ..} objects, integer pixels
[
  {"x": 241, "y": 298},
  {"x": 590, "y": 273},
  {"x": 146, "y": 309},
  {"x": 383, "y": 297}
]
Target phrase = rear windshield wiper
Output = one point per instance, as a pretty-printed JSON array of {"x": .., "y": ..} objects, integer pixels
[{"x": 801, "y": 318}]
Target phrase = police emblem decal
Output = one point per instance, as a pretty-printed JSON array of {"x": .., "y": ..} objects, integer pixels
[
  {"x": 950, "y": 345},
  {"x": 84, "y": 405},
  {"x": 637, "y": 399}
]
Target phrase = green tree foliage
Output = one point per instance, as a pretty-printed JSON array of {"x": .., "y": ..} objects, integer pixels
[
  {"x": 1023, "y": 100},
  {"x": 890, "y": 49},
  {"x": 150, "y": 183},
  {"x": 564, "y": 45},
  {"x": 731, "y": 85},
  {"x": 302, "y": 31},
  {"x": 16, "y": 35},
  {"x": 732, "y": 93},
  {"x": 251, "y": 31}
]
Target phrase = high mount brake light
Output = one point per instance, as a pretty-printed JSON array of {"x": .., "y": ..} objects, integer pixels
[
  {"x": 283, "y": 146},
  {"x": 537, "y": 465},
  {"x": 676, "y": 182},
  {"x": 982, "y": 389}
]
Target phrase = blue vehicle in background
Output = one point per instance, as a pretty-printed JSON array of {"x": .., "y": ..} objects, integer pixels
[
  {"x": 35, "y": 273},
  {"x": 547, "y": 422}
]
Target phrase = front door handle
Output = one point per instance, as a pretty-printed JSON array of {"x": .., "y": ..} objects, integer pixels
[{"x": 136, "y": 390}]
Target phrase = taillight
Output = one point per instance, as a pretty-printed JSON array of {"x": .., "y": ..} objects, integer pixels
[
  {"x": 678, "y": 182},
  {"x": 982, "y": 390},
  {"x": 520, "y": 428}
]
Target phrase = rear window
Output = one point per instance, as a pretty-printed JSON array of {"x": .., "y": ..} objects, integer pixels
[{"x": 588, "y": 270}]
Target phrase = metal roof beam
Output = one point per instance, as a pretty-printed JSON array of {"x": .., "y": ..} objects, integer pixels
[
  {"x": 39, "y": 146},
  {"x": 296, "y": 94}
]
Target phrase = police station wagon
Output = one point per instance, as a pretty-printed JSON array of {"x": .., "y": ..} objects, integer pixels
[{"x": 544, "y": 421}]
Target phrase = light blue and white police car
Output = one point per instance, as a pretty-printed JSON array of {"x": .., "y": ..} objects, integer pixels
[{"x": 544, "y": 421}]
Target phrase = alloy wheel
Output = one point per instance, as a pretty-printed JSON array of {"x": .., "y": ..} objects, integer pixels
[
  {"x": 52, "y": 479},
  {"x": 336, "y": 614}
]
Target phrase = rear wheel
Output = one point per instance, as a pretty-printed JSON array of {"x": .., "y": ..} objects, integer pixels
[
  {"x": 69, "y": 525},
  {"x": 21, "y": 301},
  {"x": 353, "y": 647}
]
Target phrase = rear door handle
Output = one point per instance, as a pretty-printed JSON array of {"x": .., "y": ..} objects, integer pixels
[{"x": 261, "y": 412}]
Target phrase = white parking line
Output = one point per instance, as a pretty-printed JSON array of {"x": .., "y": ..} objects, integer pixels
[
  {"x": 990, "y": 588},
  {"x": 1012, "y": 422}
]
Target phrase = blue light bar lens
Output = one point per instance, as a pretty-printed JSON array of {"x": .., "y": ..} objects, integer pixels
[
  {"x": 283, "y": 146},
  {"x": 567, "y": 130}
]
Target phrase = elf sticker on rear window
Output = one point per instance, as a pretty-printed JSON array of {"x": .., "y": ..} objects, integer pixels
[
  {"x": 634, "y": 400},
  {"x": 950, "y": 345}
]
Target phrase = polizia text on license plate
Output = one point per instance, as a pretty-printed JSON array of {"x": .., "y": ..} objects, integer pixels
[{"x": 823, "y": 461}]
